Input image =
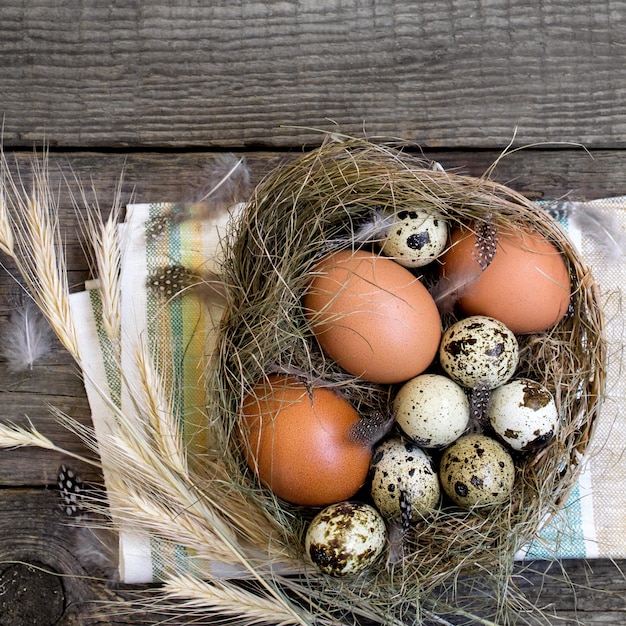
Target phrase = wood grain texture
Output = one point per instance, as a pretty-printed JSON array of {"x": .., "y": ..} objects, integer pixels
[
  {"x": 241, "y": 74},
  {"x": 149, "y": 176},
  {"x": 575, "y": 592},
  {"x": 60, "y": 572}
]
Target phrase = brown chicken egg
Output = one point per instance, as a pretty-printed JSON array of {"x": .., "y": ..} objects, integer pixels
[
  {"x": 526, "y": 285},
  {"x": 298, "y": 439},
  {"x": 372, "y": 316}
]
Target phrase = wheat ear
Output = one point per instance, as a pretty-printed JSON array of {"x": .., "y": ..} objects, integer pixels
[
  {"x": 32, "y": 235},
  {"x": 105, "y": 252},
  {"x": 14, "y": 436},
  {"x": 7, "y": 240},
  {"x": 226, "y": 599},
  {"x": 156, "y": 405}
]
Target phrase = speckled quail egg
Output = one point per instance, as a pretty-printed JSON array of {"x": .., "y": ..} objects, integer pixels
[
  {"x": 345, "y": 538},
  {"x": 476, "y": 470},
  {"x": 415, "y": 237},
  {"x": 403, "y": 480},
  {"x": 523, "y": 414},
  {"x": 479, "y": 351},
  {"x": 432, "y": 410}
]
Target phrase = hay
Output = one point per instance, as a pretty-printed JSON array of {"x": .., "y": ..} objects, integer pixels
[{"x": 325, "y": 200}]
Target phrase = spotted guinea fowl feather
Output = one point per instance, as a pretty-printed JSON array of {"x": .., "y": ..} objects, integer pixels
[{"x": 450, "y": 287}]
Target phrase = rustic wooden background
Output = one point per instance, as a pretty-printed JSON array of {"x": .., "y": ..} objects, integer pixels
[{"x": 157, "y": 88}]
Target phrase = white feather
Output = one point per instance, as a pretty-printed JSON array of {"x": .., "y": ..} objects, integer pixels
[
  {"x": 25, "y": 338},
  {"x": 600, "y": 225},
  {"x": 224, "y": 183},
  {"x": 448, "y": 289},
  {"x": 374, "y": 229}
]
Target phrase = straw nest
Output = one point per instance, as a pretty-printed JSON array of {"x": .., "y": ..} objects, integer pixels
[{"x": 325, "y": 200}]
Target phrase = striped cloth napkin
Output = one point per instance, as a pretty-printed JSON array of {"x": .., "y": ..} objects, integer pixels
[
  {"x": 181, "y": 329},
  {"x": 593, "y": 523}
]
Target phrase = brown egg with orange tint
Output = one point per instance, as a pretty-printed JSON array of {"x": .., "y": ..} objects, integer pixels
[
  {"x": 526, "y": 285},
  {"x": 298, "y": 439},
  {"x": 372, "y": 316}
]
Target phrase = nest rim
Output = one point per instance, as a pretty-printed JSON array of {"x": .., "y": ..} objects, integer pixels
[{"x": 364, "y": 176}]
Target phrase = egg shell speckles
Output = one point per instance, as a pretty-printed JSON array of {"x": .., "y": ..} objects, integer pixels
[
  {"x": 477, "y": 470},
  {"x": 432, "y": 410},
  {"x": 415, "y": 238},
  {"x": 523, "y": 414},
  {"x": 479, "y": 351},
  {"x": 345, "y": 538},
  {"x": 402, "y": 473}
]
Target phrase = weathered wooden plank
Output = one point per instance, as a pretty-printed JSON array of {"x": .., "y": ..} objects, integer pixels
[
  {"x": 53, "y": 571},
  {"x": 234, "y": 74},
  {"x": 26, "y": 400},
  {"x": 178, "y": 176},
  {"x": 577, "y": 591}
]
